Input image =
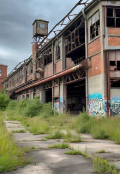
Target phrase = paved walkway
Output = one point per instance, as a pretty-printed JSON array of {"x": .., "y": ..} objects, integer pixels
[
  {"x": 47, "y": 161},
  {"x": 54, "y": 161}
]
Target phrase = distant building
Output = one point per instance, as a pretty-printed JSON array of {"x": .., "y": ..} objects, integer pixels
[
  {"x": 79, "y": 67},
  {"x": 3, "y": 74}
]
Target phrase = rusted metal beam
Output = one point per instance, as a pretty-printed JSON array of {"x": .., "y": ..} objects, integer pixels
[{"x": 84, "y": 64}]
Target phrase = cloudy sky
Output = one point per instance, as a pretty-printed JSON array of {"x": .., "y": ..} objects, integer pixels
[{"x": 16, "y": 18}]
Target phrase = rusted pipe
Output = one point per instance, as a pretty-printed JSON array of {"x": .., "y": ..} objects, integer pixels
[{"x": 84, "y": 64}]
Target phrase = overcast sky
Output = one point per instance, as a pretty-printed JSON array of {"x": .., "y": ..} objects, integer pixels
[{"x": 16, "y": 18}]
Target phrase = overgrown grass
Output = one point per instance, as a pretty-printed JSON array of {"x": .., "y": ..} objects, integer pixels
[
  {"x": 56, "y": 135},
  {"x": 101, "y": 166},
  {"x": 73, "y": 152},
  {"x": 19, "y": 131},
  {"x": 11, "y": 155},
  {"x": 44, "y": 120},
  {"x": 27, "y": 149},
  {"x": 59, "y": 146},
  {"x": 101, "y": 151}
]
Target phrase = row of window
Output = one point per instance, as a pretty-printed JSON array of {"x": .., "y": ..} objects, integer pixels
[{"x": 112, "y": 20}]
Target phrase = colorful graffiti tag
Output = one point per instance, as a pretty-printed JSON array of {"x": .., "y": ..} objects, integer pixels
[
  {"x": 115, "y": 106},
  {"x": 56, "y": 106},
  {"x": 60, "y": 106},
  {"x": 96, "y": 104}
]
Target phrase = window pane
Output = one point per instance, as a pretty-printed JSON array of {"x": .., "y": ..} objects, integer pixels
[
  {"x": 117, "y": 22},
  {"x": 110, "y": 12},
  {"x": 42, "y": 25},
  {"x": 117, "y": 12},
  {"x": 110, "y": 22}
]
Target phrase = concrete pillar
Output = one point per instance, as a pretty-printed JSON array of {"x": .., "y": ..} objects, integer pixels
[
  {"x": 31, "y": 95},
  {"x": 42, "y": 94},
  {"x": 63, "y": 52},
  {"x": 63, "y": 97},
  {"x": 34, "y": 51}
]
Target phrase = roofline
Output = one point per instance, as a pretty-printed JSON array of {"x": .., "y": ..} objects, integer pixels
[
  {"x": 16, "y": 70},
  {"x": 3, "y": 65},
  {"x": 40, "y": 20},
  {"x": 86, "y": 10}
]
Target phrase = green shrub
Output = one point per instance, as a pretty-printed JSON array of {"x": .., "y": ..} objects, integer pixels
[
  {"x": 56, "y": 135},
  {"x": 100, "y": 134},
  {"x": 4, "y": 100},
  {"x": 47, "y": 110},
  {"x": 12, "y": 105},
  {"x": 22, "y": 104},
  {"x": 32, "y": 108},
  {"x": 101, "y": 166}
]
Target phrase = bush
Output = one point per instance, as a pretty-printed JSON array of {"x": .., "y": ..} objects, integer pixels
[
  {"x": 4, "y": 100},
  {"x": 85, "y": 122},
  {"x": 12, "y": 105},
  {"x": 22, "y": 104},
  {"x": 33, "y": 107},
  {"x": 47, "y": 110},
  {"x": 100, "y": 134}
]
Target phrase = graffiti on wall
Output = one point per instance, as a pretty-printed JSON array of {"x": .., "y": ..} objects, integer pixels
[
  {"x": 96, "y": 104},
  {"x": 115, "y": 106},
  {"x": 60, "y": 106},
  {"x": 56, "y": 106}
]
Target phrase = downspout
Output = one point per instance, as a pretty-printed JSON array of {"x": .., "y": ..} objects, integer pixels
[{"x": 86, "y": 49}]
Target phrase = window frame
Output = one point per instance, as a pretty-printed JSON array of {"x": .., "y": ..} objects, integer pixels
[
  {"x": 97, "y": 27},
  {"x": 42, "y": 24},
  {"x": 57, "y": 52},
  {"x": 114, "y": 16}
]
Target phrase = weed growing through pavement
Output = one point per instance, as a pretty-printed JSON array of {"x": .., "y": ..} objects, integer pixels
[{"x": 59, "y": 146}]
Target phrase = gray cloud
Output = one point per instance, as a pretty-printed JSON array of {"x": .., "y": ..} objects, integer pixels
[{"x": 16, "y": 18}]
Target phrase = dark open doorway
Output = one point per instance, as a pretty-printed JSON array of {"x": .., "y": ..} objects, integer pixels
[
  {"x": 48, "y": 95},
  {"x": 76, "y": 97}
]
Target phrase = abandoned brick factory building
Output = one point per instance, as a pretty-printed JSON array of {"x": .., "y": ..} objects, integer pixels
[
  {"x": 3, "y": 74},
  {"x": 78, "y": 67}
]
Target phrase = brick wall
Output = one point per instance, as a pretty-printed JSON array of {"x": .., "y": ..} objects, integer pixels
[
  {"x": 114, "y": 41},
  {"x": 97, "y": 66},
  {"x": 3, "y": 73},
  {"x": 69, "y": 63},
  {"x": 114, "y": 31},
  {"x": 58, "y": 66},
  {"x": 48, "y": 71},
  {"x": 94, "y": 47}
]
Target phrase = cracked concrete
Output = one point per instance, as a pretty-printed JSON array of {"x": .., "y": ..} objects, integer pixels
[
  {"x": 54, "y": 161},
  {"x": 47, "y": 161}
]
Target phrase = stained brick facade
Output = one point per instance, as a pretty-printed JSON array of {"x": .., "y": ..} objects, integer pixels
[{"x": 94, "y": 47}]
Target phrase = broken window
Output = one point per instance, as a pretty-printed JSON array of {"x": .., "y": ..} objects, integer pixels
[
  {"x": 95, "y": 25},
  {"x": 115, "y": 65},
  {"x": 118, "y": 65},
  {"x": 113, "y": 17},
  {"x": 47, "y": 60},
  {"x": 57, "y": 52}
]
